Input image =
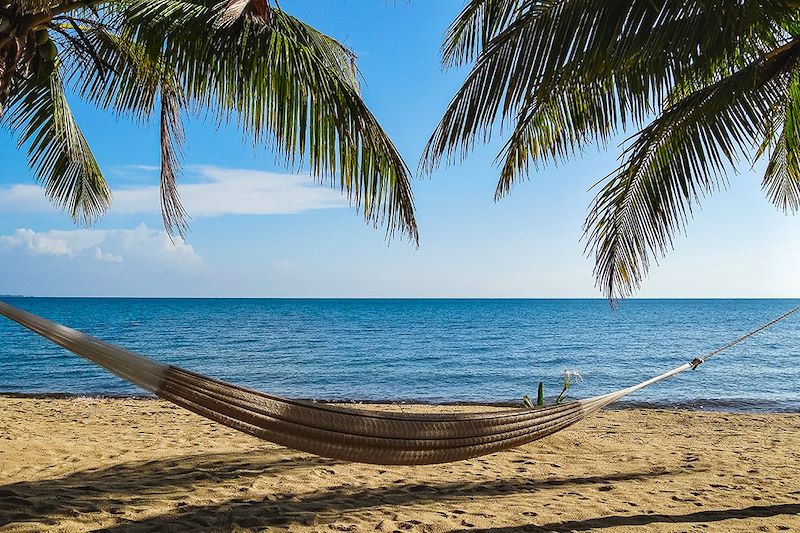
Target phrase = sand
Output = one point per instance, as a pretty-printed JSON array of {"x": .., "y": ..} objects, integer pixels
[{"x": 144, "y": 465}]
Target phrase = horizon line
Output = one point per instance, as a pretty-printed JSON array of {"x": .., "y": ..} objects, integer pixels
[{"x": 512, "y": 298}]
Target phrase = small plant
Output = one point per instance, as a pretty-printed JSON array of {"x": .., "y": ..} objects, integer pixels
[
  {"x": 526, "y": 401},
  {"x": 570, "y": 378}
]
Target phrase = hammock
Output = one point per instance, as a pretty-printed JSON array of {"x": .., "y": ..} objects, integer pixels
[{"x": 339, "y": 432}]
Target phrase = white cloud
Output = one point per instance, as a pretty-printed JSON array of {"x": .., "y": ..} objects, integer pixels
[
  {"x": 53, "y": 242},
  {"x": 145, "y": 168},
  {"x": 23, "y": 198},
  {"x": 142, "y": 245},
  {"x": 217, "y": 191},
  {"x": 100, "y": 255}
]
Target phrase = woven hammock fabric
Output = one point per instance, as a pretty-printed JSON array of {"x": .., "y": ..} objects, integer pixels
[{"x": 358, "y": 435}]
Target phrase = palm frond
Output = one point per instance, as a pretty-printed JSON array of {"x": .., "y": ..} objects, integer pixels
[
  {"x": 286, "y": 84},
  {"x": 135, "y": 84},
  {"x": 131, "y": 81},
  {"x": 56, "y": 148},
  {"x": 567, "y": 74},
  {"x": 243, "y": 61},
  {"x": 172, "y": 141},
  {"x": 475, "y": 26},
  {"x": 635, "y": 49},
  {"x": 555, "y": 126},
  {"x": 675, "y": 160},
  {"x": 782, "y": 176}
]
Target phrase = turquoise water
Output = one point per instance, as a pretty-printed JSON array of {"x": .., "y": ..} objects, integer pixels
[{"x": 424, "y": 350}]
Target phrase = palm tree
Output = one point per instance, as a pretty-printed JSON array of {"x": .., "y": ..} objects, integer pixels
[
  {"x": 280, "y": 80},
  {"x": 706, "y": 84}
]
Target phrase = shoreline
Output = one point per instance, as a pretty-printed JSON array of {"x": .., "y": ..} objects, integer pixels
[{"x": 708, "y": 405}]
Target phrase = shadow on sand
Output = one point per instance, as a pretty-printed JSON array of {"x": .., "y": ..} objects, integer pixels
[
  {"x": 756, "y": 511},
  {"x": 136, "y": 485}
]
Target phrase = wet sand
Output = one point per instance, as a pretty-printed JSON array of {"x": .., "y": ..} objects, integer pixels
[{"x": 145, "y": 465}]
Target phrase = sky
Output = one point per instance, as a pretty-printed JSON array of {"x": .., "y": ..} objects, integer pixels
[{"x": 260, "y": 229}]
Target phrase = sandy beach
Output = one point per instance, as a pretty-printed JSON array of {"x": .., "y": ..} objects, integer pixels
[{"x": 145, "y": 465}]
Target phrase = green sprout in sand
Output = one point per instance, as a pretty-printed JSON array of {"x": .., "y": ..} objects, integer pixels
[{"x": 570, "y": 378}]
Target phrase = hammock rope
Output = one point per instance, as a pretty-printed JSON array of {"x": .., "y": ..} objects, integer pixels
[
  {"x": 697, "y": 361},
  {"x": 359, "y": 435}
]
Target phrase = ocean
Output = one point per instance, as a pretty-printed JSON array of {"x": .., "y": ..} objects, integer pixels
[{"x": 420, "y": 350}]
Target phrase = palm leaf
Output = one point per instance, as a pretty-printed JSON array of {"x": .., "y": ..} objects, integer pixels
[
  {"x": 172, "y": 140},
  {"x": 634, "y": 49},
  {"x": 247, "y": 62},
  {"x": 678, "y": 158},
  {"x": 56, "y": 148},
  {"x": 570, "y": 73},
  {"x": 475, "y": 26},
  {"x": 135, "y": 84},
  {"x": 782, "y": 176},
  {"x": 287, "y": 85}
]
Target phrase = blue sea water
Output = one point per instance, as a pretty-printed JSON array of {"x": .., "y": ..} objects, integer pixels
[{"x": 425, "y": 350}]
